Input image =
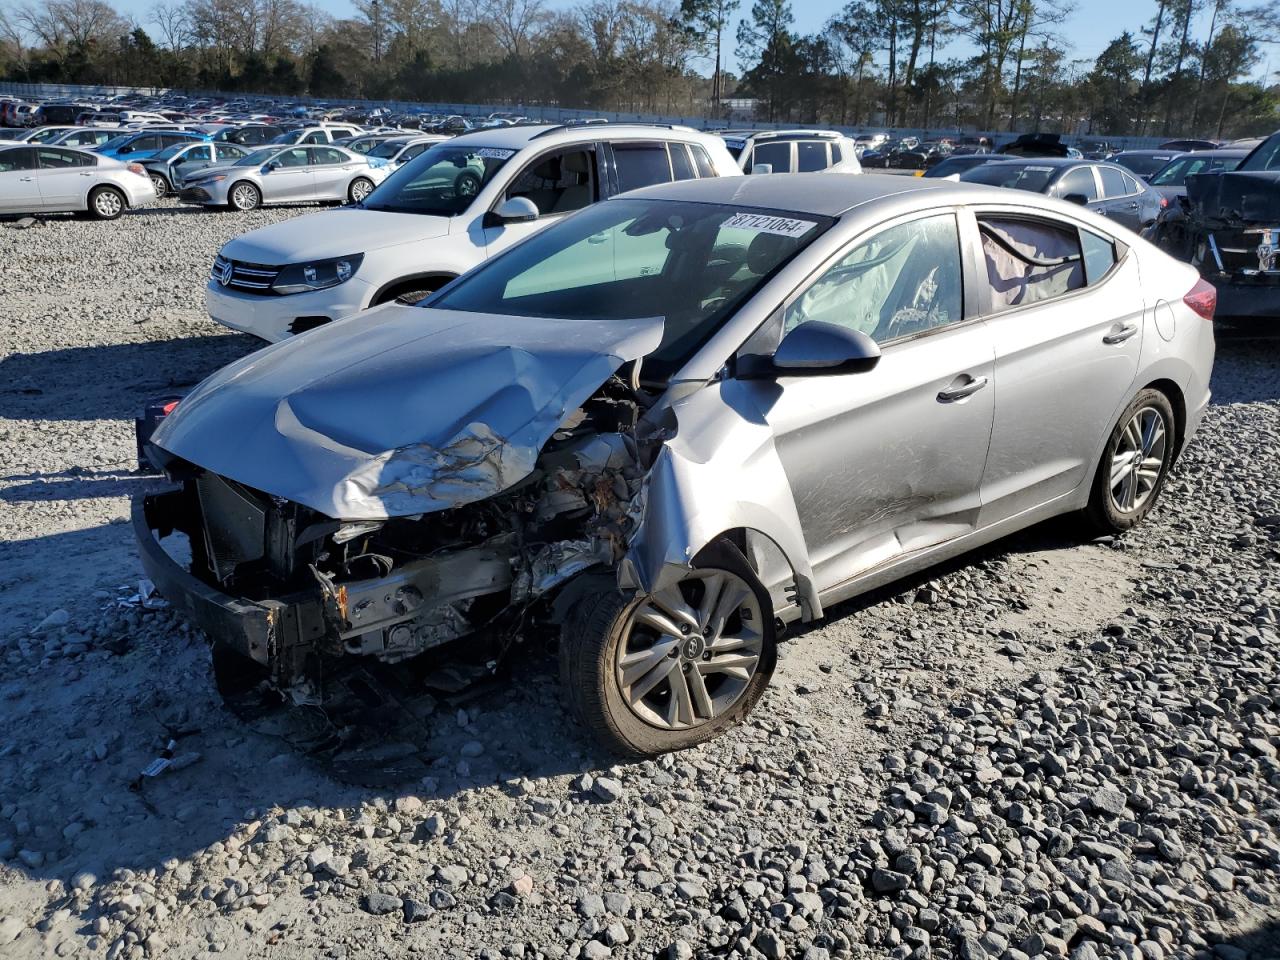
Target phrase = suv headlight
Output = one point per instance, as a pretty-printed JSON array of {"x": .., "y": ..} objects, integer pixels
[{"x": 317, "y": 275}]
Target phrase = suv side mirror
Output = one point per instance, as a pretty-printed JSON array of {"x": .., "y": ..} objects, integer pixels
[
  {"x": 817, "y": 349},
  {"x": 1079, "y": 198},
  {"x": 512, "y": 210}
]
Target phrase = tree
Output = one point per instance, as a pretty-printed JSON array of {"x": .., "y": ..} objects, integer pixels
[
  {"x": 765, "y": 40},
  {"x": 1112, "y": 84},
  {"x": 704, "y": 22}
]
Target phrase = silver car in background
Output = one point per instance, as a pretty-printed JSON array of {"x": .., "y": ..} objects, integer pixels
[
  {"x": 42, "y": 178},
  {"x": 284, "y": 174},
  {"x": 397, "y": 151},
  {"x": 673, "y": 420}
]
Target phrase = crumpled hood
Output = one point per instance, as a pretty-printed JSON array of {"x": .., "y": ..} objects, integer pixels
[
  {"x": 399, "y": 410},
  {"x": 333, "y": 233}
]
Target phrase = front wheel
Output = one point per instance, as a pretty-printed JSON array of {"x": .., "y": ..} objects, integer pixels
[
  {"x": 106, "y": 203},
  {"x": 161, "y": 184},
  {"x": 245, "y": 196},
  {"x": 1134, "y": 464},
  {"x": 666, "y": 671}
]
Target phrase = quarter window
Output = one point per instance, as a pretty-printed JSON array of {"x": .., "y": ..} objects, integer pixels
[
  {"x": 904, "y": 280},
  {"x": 641, "y": 165},
  {"x": 811, "y": 156},
  {"x": 1099, "y": 256},
  {"x": 558, "y": 182},
  {"x": 701, "y": 161},
  {"x": 777, "y": 155},
  {"x": 1029, "y": 261},
  {"x": 681, "y": 167}
]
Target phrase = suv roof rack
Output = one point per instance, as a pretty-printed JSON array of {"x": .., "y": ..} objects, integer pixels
[
  {"x": 613, "y": 126},
  {"x": 795, "y": 135}
]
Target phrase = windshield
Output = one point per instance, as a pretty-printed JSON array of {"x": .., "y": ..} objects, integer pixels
[
  {"x": 257, "y": 158},
  {"x": 1175, "y": 172},
  {"x": 441, "y": 181},
  {"x": 1266, "y": 156},
  {"x": 1022, "y": 176},
  {"x": 386, "y": 149},
  {"x": 693, "y": 264},
  {"x": 168, "y": 153}
]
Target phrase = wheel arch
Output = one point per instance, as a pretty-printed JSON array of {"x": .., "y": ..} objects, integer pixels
[
  {"x": 392, "y": 288},
  {"x": 1178, "y": 401}
]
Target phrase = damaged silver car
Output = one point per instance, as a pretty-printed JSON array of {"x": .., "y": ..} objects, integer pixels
[{"x": 673, "y": 423}]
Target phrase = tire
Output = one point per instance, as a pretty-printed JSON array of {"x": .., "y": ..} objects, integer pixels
[
  {"x": 1126, "y": 485},
  {"x": 466, "y": 185},
  {"x": 601, "y": 629},
  {"x": 360, "y": 188},
  {"x": 161, "y": 184},
  {"x": 411, "y": 294},
  {"x": 244, "y": 196},
  {"x": 106, "y": 203}
]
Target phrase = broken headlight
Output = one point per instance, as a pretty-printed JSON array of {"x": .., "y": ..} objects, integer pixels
[{"x": 317, "y": 275}]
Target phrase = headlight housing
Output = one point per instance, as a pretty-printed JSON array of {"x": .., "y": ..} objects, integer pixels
[
  {"x": 317, "y": 274},
  {"x": 218, "y": 179}
]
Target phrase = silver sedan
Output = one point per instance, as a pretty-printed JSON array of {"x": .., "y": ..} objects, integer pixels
[
  {"x": 676, "y": 419},
  {"x": 42, "y": 178},
  {"x": 284, "y": 174}
]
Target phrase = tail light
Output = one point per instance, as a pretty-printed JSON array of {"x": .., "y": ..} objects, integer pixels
[
  {"x": 137, "y": 168},
  {"x": 1203, "y": 299},
  {"x": 1164, "y": 202}
]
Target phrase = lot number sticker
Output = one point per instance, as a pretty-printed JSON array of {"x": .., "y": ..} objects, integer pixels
[
  {"x": 764, "y": 223},
  {"x": 494, "y": 153}
]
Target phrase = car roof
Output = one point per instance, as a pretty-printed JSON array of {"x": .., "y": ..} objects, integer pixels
[
  {"x": 1171, "y": 152},
  {"x": 1046, "y": 161},
  {"x": 517, "y": 138},
  {"x": 818, "y": 194}
]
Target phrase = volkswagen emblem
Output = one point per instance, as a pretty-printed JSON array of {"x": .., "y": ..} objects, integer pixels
[{"x": 224, "y": 272}]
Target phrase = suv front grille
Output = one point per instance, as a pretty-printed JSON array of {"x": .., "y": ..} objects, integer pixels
[{"x": 238, "y": 275}]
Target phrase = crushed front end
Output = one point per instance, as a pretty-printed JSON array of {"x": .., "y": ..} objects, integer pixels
[{"x": 288, "y": 586}]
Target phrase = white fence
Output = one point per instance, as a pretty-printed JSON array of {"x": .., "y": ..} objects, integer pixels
[{"x": 543, "y": 112}]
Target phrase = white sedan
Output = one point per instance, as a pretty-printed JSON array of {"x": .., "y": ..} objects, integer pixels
[{"x": 50, "y": 179}]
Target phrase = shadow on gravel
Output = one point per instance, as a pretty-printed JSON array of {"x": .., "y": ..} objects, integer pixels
[
  {"x": 109, "y": 382},
  {"x": 1246, "y": 371},
  {"x": 1262, "y": 943},
  {"x": 67, "y": 485},
  {"x": 170, "y": 211}
]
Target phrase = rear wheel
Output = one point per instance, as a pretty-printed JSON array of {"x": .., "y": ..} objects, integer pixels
[
  {"x": 245, "y": 196},
  {"x": 650, "y": 674},
  {"x": 360, "y": 188},
  {"x": 106, "y": 203},
  {"x": 1135, "y": 463}
]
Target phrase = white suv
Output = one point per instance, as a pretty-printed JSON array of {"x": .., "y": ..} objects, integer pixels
[
  {"x": 792, "y": 151},
  {"x": 442, "y": 213}
]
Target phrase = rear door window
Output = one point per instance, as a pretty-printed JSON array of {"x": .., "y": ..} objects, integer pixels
[
  {"x": 1029, "y": 260},
  {"x": 776, "y": 155},
  {"x": 1113, "y": 183},
  {"x": 811, "y": 156},
  {"x": 53, "y": 159},
  {"x": 641, "y": 165}
]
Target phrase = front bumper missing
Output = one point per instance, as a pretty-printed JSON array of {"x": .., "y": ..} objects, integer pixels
[
  {"x": 280, "y": 634},
  {"x": 418, "y": 606}
]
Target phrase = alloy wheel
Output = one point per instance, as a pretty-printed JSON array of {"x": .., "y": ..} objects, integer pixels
[
  {"x": 159, "y": 183},
  {"x": 244, "y": 197},
  {"x": 1138, "y": 460},
  {"x": 687, "y": 653},
  {"x": 360, "y": 189},
  {"x": 107, "y": 203}
]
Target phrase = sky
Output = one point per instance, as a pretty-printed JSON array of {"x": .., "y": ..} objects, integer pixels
[{"x": 1090, "y": 26}]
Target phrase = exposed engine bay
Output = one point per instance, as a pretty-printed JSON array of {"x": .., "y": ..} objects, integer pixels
[{"x": 392, "y": 589}]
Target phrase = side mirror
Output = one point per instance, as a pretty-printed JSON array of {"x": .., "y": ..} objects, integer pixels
[
  {"x": 1079, "y": 198},
  {"x": 268, "y": 167},
  {"x": 512, "y": 210},
  {"x": 761, "y": 168},
  {"x": 817, "y": 349}
]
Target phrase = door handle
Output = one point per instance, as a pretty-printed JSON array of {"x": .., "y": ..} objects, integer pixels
[
  {"x": 597, "y": 238},
  {"x": 25, "y": 179},
  {"x": 1133, "y": 205},
  {"x": 952, "y": 394},
  {"x": 1121, "y": 335}
]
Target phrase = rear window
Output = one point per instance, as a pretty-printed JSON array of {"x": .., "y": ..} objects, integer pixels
[{"x": 1022, "y": 176}]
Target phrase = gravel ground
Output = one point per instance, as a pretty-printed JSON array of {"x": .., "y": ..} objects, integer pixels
[{"x": 1053, "y": 749}]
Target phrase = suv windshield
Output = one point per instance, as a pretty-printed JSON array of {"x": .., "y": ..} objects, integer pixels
[
  {"x": 441, "y": 181},
  {"x": 387, "y": 149},
  {"x": 1023, "y": 176},
  {"x": 1266, "y": 156},
  {"x": 693, "y": 264}
]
